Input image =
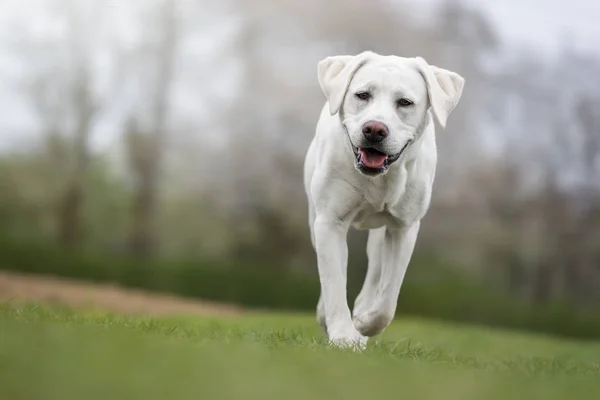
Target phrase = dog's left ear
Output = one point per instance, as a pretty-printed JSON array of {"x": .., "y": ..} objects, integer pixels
[
  {"x": 335, "y": 74},
  {"x": 444, "y": 89}
]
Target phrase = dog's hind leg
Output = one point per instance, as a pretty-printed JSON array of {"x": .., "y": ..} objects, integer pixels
[{"x": 396, "y": 250}]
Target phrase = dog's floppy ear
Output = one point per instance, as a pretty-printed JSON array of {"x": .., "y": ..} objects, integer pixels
[
  {"x": 444, "y": 89},
  {"x": 335, "y": 74}
]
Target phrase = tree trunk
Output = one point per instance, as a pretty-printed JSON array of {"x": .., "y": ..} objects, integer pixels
[
  {"x": 143, "y": 239},
  {"x": 144, "y": 205},
  {"x": 70, "y": 233},
  {"x": 72, "y": 202},
  {"x": 84, "y": 108}
]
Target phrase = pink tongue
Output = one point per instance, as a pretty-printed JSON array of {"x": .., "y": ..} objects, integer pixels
[{"x": 372, "y": 159}]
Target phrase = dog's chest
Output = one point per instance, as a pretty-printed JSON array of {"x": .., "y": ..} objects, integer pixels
[
  {"x": 370, "y": 219},
  {"x": 391, "y": 205},
  {"x": 378, "y": 207}
]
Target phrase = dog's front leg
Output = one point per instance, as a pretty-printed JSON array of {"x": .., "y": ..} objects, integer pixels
[
  {"x": 332, "y": 258},
  {"x": 396, "y": 246}
]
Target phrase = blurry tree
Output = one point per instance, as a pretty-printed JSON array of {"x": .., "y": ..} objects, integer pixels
[
  {"x": 64, "y": 94},
  {"x": 581, "y": 266},
  {"x": 570, "y": 207},
  {"x": 549, "y": 249},
  {"x": 461, "y": 40},
  {"x": 147, "y": 127}
]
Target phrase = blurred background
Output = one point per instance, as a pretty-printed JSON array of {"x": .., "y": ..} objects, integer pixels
[{"x": 159, "y": 144}]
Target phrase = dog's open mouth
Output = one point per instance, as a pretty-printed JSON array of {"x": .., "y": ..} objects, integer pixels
[
  {"x": 372, "y": 158},
  {"x": 372, "y": 161}
]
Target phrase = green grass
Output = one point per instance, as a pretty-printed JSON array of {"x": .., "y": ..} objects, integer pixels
[{"x": 52, "y": 353}]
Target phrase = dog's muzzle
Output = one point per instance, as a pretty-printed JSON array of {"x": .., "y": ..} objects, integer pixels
[{"x": 371, "y": 161}]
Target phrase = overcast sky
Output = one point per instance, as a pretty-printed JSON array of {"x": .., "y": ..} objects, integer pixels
[
  {"x": 545, "y": 23},
  {"x": 542, "y": 24}
]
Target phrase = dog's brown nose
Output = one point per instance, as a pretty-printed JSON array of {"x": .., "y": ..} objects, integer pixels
[{"x": 375, "y": 131}]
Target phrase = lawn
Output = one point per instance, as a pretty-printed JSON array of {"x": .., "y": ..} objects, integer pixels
[{"x": 57, "y": 353}]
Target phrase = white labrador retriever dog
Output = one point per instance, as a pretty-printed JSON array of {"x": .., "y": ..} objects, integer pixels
[{"x": 371, "y": 165}]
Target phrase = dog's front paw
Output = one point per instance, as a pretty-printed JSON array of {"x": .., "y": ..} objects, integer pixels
[{"x": 348, "y": 339}]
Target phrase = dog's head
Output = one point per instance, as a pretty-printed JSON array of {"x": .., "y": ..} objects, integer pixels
[{"x": 384, "y": 102}]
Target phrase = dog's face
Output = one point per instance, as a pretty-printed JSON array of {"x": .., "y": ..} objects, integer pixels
[
  {"x": 383, "y": 102},
  {"x": 384, "y": 107}
]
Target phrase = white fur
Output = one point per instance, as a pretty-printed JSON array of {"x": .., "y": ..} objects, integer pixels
[{"x": 391, "y": 204}]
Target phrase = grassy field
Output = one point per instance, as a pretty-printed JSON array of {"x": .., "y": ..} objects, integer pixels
[{"x": 55, "y": 353}]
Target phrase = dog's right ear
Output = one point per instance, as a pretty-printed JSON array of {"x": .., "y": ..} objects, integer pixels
[{"x": 335, "y": 74}]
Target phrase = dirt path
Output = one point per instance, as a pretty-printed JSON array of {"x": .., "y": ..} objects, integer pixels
[{"x": 45, "y": 289}]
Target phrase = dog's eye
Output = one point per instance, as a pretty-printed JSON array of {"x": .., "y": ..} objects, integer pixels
[
  {"x": 363, "y": 95},
  {"x": 404, "y": 103}
]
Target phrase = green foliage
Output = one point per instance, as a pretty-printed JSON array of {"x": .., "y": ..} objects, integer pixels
[
  {"x": 32, "y": 184},
  {"x": 450, "y": 297}
]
